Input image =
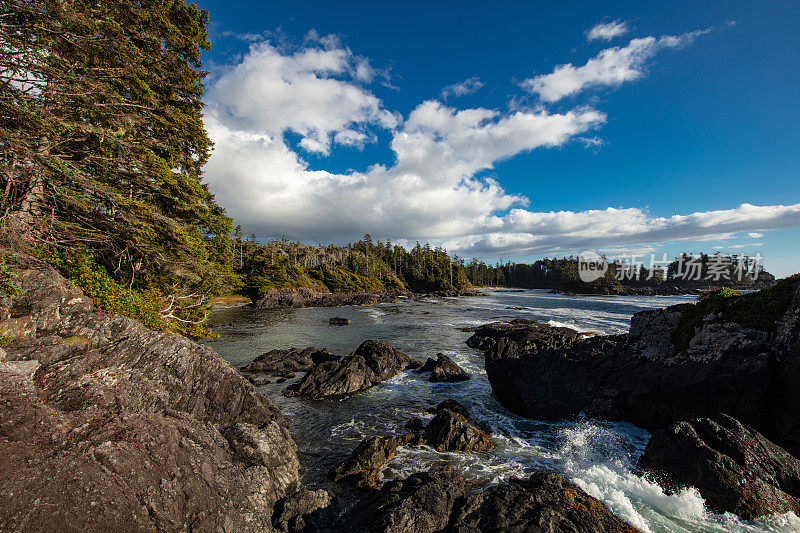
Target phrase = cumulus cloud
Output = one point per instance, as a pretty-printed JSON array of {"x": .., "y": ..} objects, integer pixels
[
  {"x": 607, "y": 30},
  {"x": 527, "y": 232},
  {"x": 611, "y": 67},
  {"x": 464, "y": 88},
  {"x": 435, "y": 189}
]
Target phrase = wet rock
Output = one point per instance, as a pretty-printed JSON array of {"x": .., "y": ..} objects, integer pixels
[
  {"x": 423, "y": 502},
  {"x": 445, "y": 370},
  {"x": 542, "y": 503},
  {"x": 292, "y": 513},
  {"x": 374, "y": 361},
  {"x": 452, "y": 430},
  {"x": 428, "y": 366},
  {"x": 339, "y": 321},
  {"x": 121, "y": 425},
  {"x": 676, "y": 364},
  {"x": 286, "y": 362},
  {"x": 429, "y": 502},
  {"x": 735, "y": 468},
  {"x": 364, "y": 465},
  {"x": 415, "y": 424}
]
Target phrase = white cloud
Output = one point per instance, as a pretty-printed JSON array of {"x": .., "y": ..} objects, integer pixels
[
  {"x": 271, "y": 92},
  {"x": 526, "y": 232},
  {"x": 464, "y": 88},
  {"x": 611, "y": 67},
  {"x": 433, "y": 190},
  {"x": 607, "y": 30},
  {"x": 754, "y": 235}
]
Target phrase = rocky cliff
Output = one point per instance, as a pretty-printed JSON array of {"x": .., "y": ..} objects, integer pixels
[
  {"x": 738, "y": 355},
  {"x": 107, "y": 425}
]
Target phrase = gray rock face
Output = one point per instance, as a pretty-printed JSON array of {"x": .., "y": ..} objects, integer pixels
[
  {"x": 285, "y": 363},
  {"x": 445, "y": 370},
  {"x": 372, "y": 362},
  {"x": 453, "y": 430},
  {"x": 429, "y": 502},
  {"x": 735, "y": 468},
  {"x": 123, "y": 427},
  {"x": 549, "y": 373}
]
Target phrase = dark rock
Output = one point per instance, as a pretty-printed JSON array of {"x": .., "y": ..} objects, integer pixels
[
  {"x": 429, "y": 502},
  {"x": 123, "y": 427},
  {"x": 430, "y": 364},
  {"x": 292, "y": 512},
  {"x": 735, "y": 468},
  {"x": 364, "y": 465},
  {"x": 374, "y": 361},
  {"x": 280, "y": 380},
  {"x": 415, "y": 424},
  {"x": 285, "y": 298},
  {"x": 421, "y": 503},
  {"x": 339, "y": 321},
  {"x": 446, "y": 370},
  {"x": 286, "y": 362},
  {"x": 678, "y": 363},
  {"x": 542, "y": 503},
  {"x": 452, "y": 430}
]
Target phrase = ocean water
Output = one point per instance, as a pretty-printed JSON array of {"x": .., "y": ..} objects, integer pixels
[{"x": 599, "y": 456}]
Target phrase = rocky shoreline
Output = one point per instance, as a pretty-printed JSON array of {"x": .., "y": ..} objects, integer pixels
[
  {"x": 104, "y": 421},
  {"x": 290, "y": 298},
  {"x": 674, "y": 370}
]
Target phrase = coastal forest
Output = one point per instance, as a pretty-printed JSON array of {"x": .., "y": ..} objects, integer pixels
[{"x": 102, "y": 147}]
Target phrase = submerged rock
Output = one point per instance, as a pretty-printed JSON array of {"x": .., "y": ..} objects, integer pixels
[
  {"x": 453, "y": 430},
  {"x": 121, "y": 426},
  {"x": 429, "y": 502},
  {"x": 737, "y": 355},
  {"x": 372, "y": 362},
  {"x": 339, "y": 321},
  {"x": 445, "y": 370},
  {"x": 285, "y": 363},
  {"x": 735, "y": 468}
]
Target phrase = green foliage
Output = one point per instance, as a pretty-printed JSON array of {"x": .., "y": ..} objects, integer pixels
[
  {"x": 104, "y": 145},
  {"x": 757, "y": 310},
  {"x": 146, "y": 304},
  {"x": 9, "y": 287}
]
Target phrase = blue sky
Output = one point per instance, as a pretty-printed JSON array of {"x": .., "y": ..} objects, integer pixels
[{"x": 332, "y": 119}]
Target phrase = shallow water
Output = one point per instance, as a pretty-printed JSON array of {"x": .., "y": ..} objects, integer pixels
[{"x": 598, "y": 456}]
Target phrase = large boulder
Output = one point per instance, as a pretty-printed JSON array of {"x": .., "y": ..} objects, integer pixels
[
  {"x": 738, "y": 355},
  {"x": 735, "y": 468},
  {"x": 364, "y": 465},
  {"x": 429, "y": 502},
  {"x": 118, "y": 427},
  {"x": 452, "y": 430},
  {"x": 286, "y": 362},
  {"x": 372, "y": 362},
  {"x": 445, "y": 370}
]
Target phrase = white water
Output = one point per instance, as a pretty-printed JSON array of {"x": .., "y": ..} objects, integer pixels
[{"x": 598, "y": 456}]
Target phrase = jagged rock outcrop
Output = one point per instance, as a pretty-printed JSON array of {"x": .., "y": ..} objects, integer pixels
[
  {"x": 445, "y": 370},
  {"x": 116, "y": 427},
  {"x": 285, "y": 298},
  {"x": 429, "y": 502},
  {"x": 372, "y": 362},
  {"x": 292, "y": 513},
  {"x": 364, "y": 465},
  {"x": 735, "y": 468},
  {"x": 453, "y": 430},
  {"x": 285, "y": 363},
  {"x": 737, "y": 355}
]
